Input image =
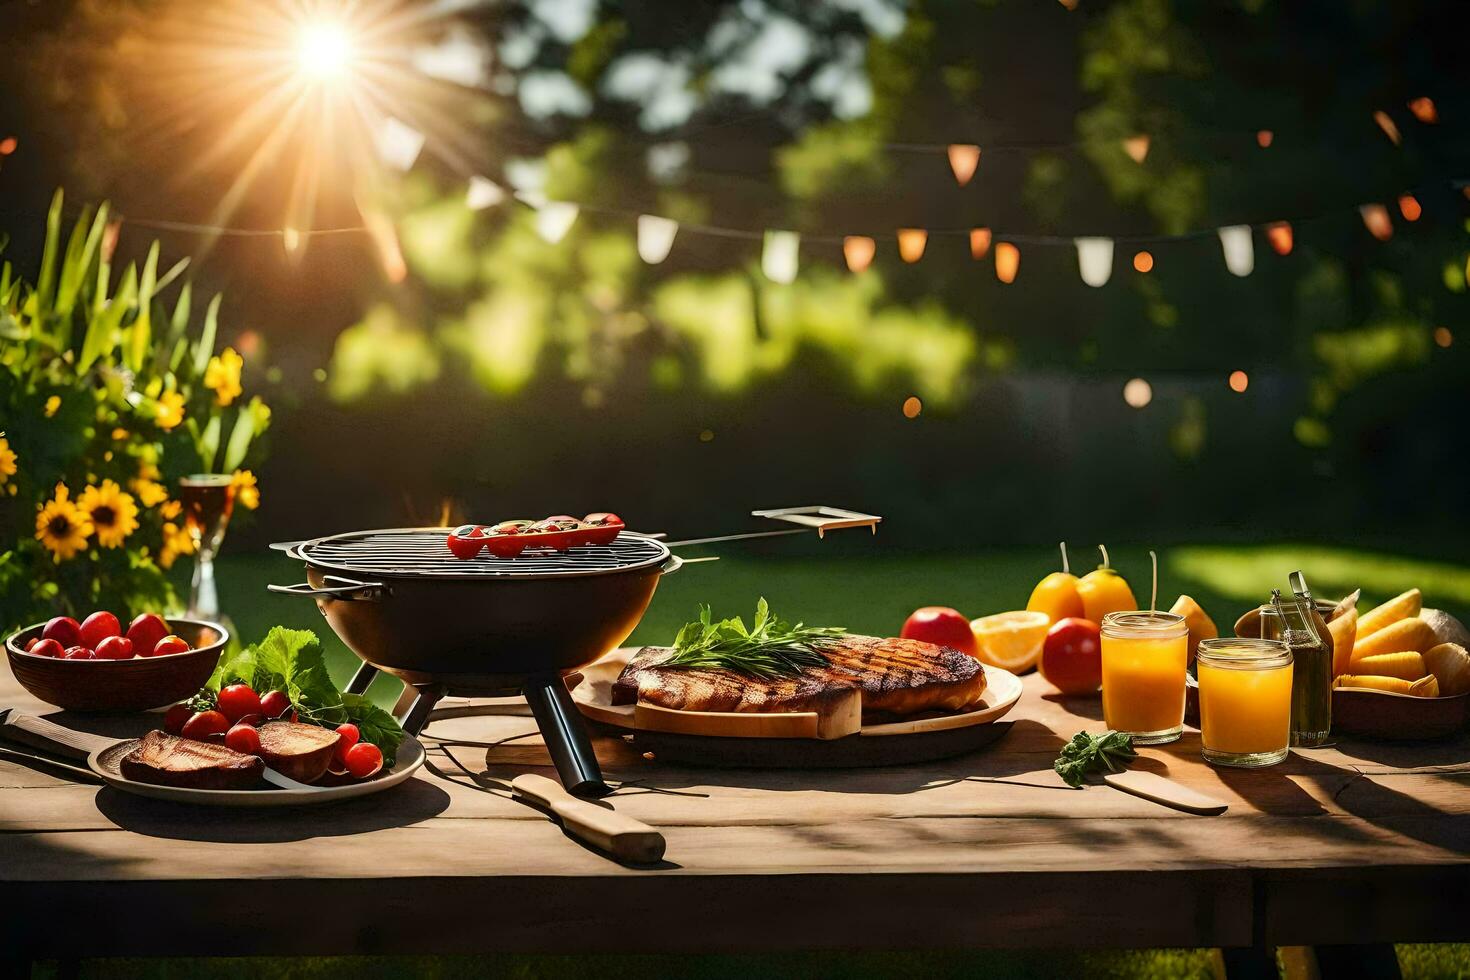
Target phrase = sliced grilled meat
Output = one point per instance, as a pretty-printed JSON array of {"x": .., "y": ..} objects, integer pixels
[
  {"x": 896, "y": 677},
  {"x": 300, "y": 751},
  {"x": 170, "y": 760}
]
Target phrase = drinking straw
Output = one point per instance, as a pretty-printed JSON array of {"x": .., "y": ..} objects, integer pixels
[
  {"x": 1153, "y": 600},
  {"x": 1066, "y": 568}
]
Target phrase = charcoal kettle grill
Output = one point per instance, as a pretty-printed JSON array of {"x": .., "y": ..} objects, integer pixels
[{"x": 494, "y": 627}]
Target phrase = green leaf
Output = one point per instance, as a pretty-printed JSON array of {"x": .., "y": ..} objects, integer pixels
[
  {"x": 205, "y": 350},
  {"x": 1086, "y": 754},
  {"x": 166, "y": 280},
  {"x": 103, "y": 330},
  {"x": 46, "y": 284},
  {"x": 239, "y": 443},
  {"x": 142, "y": 330},
  {"x": 78, "y": 262}
]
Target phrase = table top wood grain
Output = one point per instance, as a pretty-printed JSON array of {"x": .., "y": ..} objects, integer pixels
[{"x": 1358, "y": 842}]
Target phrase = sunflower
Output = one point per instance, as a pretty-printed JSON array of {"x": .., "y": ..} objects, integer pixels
[
  {"x": 170, "y": 410},
  {"x": 7, "y": 460},
  {"x": 247, "y": 494},
  {"x": 222, "y": 376},
  {"x": 150, "y": 492},
  {"x": 176, "y": 541},
  {"x": 61, "y": 526},
  {"x": 113, "y": 513}
]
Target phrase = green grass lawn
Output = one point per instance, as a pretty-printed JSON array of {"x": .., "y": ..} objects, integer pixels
[{"x": 855, "y": 583}]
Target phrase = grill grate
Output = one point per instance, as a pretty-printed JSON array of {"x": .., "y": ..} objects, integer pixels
[{"x": 422, "y": 552}]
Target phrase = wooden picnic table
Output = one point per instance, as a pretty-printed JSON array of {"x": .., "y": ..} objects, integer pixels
[{"x": 1359, "y": 843}]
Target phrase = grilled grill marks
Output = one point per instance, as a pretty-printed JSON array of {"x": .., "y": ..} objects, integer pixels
[{"x": 896, "y": 677}]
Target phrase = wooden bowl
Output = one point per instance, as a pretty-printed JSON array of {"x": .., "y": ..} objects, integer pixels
[
  {"x": 1397, "y": 717},
  {"x": 136, "y": 684}
]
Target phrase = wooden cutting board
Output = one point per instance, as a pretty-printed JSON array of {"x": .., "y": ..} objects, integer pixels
[{"x": 833, "y": 737}]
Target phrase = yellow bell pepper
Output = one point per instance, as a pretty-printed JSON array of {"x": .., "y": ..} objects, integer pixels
[
  {"x": 1056, "y": 595},
  {"x": 1103, "y": 590}
]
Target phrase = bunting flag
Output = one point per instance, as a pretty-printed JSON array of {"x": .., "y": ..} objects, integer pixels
[
  {"x": 1095, "y": 260},
  {"x": 655, "y": 237},
  {"x": 964, "y": 158},
  {"x": 979, "y": 242},
  {"x": 1137, "y": 147},
  {"x": 483, "y": 193},
  {"x": 911, "y": 242}
]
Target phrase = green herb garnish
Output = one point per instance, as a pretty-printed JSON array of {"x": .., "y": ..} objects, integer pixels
[
  {"x": 771, "y": 648},
  {"x": 1087, "y": 754}
]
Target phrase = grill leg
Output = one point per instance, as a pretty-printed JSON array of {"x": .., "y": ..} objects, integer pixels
[
  {"x": 566, "y": 738},
  {"x": 362, "y": 678},
  {"x": 417, "y": 716}
]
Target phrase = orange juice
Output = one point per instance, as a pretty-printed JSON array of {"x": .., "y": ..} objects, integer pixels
[
  {"x": 1244, "y": 701},
  {"x": 1144, "y": 655}
]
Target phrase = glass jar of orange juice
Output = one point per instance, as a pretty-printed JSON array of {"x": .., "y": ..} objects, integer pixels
[
  {"x": 1244, "y": 701},
  {"x": 1144, "y": 655}
]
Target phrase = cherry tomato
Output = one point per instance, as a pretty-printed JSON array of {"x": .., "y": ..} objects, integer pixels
[
  {"x": 243, "y": 738},
  {"x": 98, "y": 627},
  {"x": 46, "y": 648},
  {"x": 115, "y": 648},
  {"x": 347, "y": 737},
  {"x": 77, "y": 653},
  {"x": 363, "y": 760},
  {"x": 169, "y": 645},
  {"x": 1071, "y": 656},
  {"x": 464, "y": 547},
  {"x": 203, "y": 724},
  {"x": 64, "y": 630},
  {"x": 274, "y": 704},
  {"x": 505, "y": 545},
  {"x": 237, "y": 701},
  {"x": 174, "y": 718},
  {"x": 146, "y": 630}
]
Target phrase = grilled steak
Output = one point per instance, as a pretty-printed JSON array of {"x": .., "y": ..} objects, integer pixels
[
  {"x": 169, "y": 760},
  {"x": 896, "y": 677},
  {"x": 302, "y": 752}
]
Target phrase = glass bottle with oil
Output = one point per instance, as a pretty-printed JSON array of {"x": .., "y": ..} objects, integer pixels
[{"x": 1305, "y": 632}]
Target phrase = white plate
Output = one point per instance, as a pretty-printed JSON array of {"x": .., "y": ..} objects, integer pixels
[{"x": 104, "y": 763}]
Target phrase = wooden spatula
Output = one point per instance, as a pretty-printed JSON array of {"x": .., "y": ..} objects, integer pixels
[
  {"x": 607, "y": 830},
  {"x": 1166, "y": 792}
]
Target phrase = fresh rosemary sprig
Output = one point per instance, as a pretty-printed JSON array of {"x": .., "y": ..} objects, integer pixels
[{"x": 770, "y": 649}]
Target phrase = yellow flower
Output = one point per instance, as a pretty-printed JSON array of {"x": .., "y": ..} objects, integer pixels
[
  {"x": 7, "y": 460},
  {"x": 61, "y": 526},
  {"x": 222, "y": 375},
  {"x": 170, "y": 410},
  {"x": 150, "y": 493},
  {"x": 176, "y": 542},
  {"x": 113, "y": 513},
  {"x": 247, "y": 494},
  {"x": 171, "y": 510},
  {"x": 53, "y": 405}
]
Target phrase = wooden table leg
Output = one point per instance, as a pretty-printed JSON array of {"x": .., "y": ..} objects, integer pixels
[{"x": 1377, "y": 961}]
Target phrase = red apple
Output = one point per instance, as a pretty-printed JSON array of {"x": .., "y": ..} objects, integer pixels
[
  {"x": 98, "y": 627},
  {"x": 943, "y": 626},
  {"x": 64, "y": 630},
  {"x": 1071, "y": 657},
  {"x": 46, "y": 648},
  {"x": 146, "y": 630},
  {"x": 115, "y": 648}
]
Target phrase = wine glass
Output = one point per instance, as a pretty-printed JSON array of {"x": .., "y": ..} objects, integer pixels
[{"x": 208, "y": 499}]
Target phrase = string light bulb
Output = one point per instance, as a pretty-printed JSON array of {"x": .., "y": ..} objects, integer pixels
[
  {"x": 1278, "y": 233},
  {"x": 554, "y": 219},
  {"x": 1264, "y": 137},
  {"x": 964, "y": 159},
  {"x": 1007, "y": 262},
  {"x": 1095, "y": 260},
  {"x": 1240, "y": 252},
  {"x": 780, "y": 256},
  {"x": 1377, "y": 221},
  {"x": 858, "y": 250},
  {"x": 1239, "y": 381},
  {"x": 1138, "y": 393},
  {"x": 483, "y": 193},
  {"x": 1409, "y": 207},
  {"x": 979, "y": 242},
  {"x": 1389, "y": 127},
  {"x": 911, "y": 242},
  {"x": 912, "y": 407},
  {"x": 655, "y": 237},
  {"x": 1137, "y": 147},
  {"x": 1443, "y": 337},
  {"x": 1143, "y": 261},
  {"x": 1424, "y": 110}
]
